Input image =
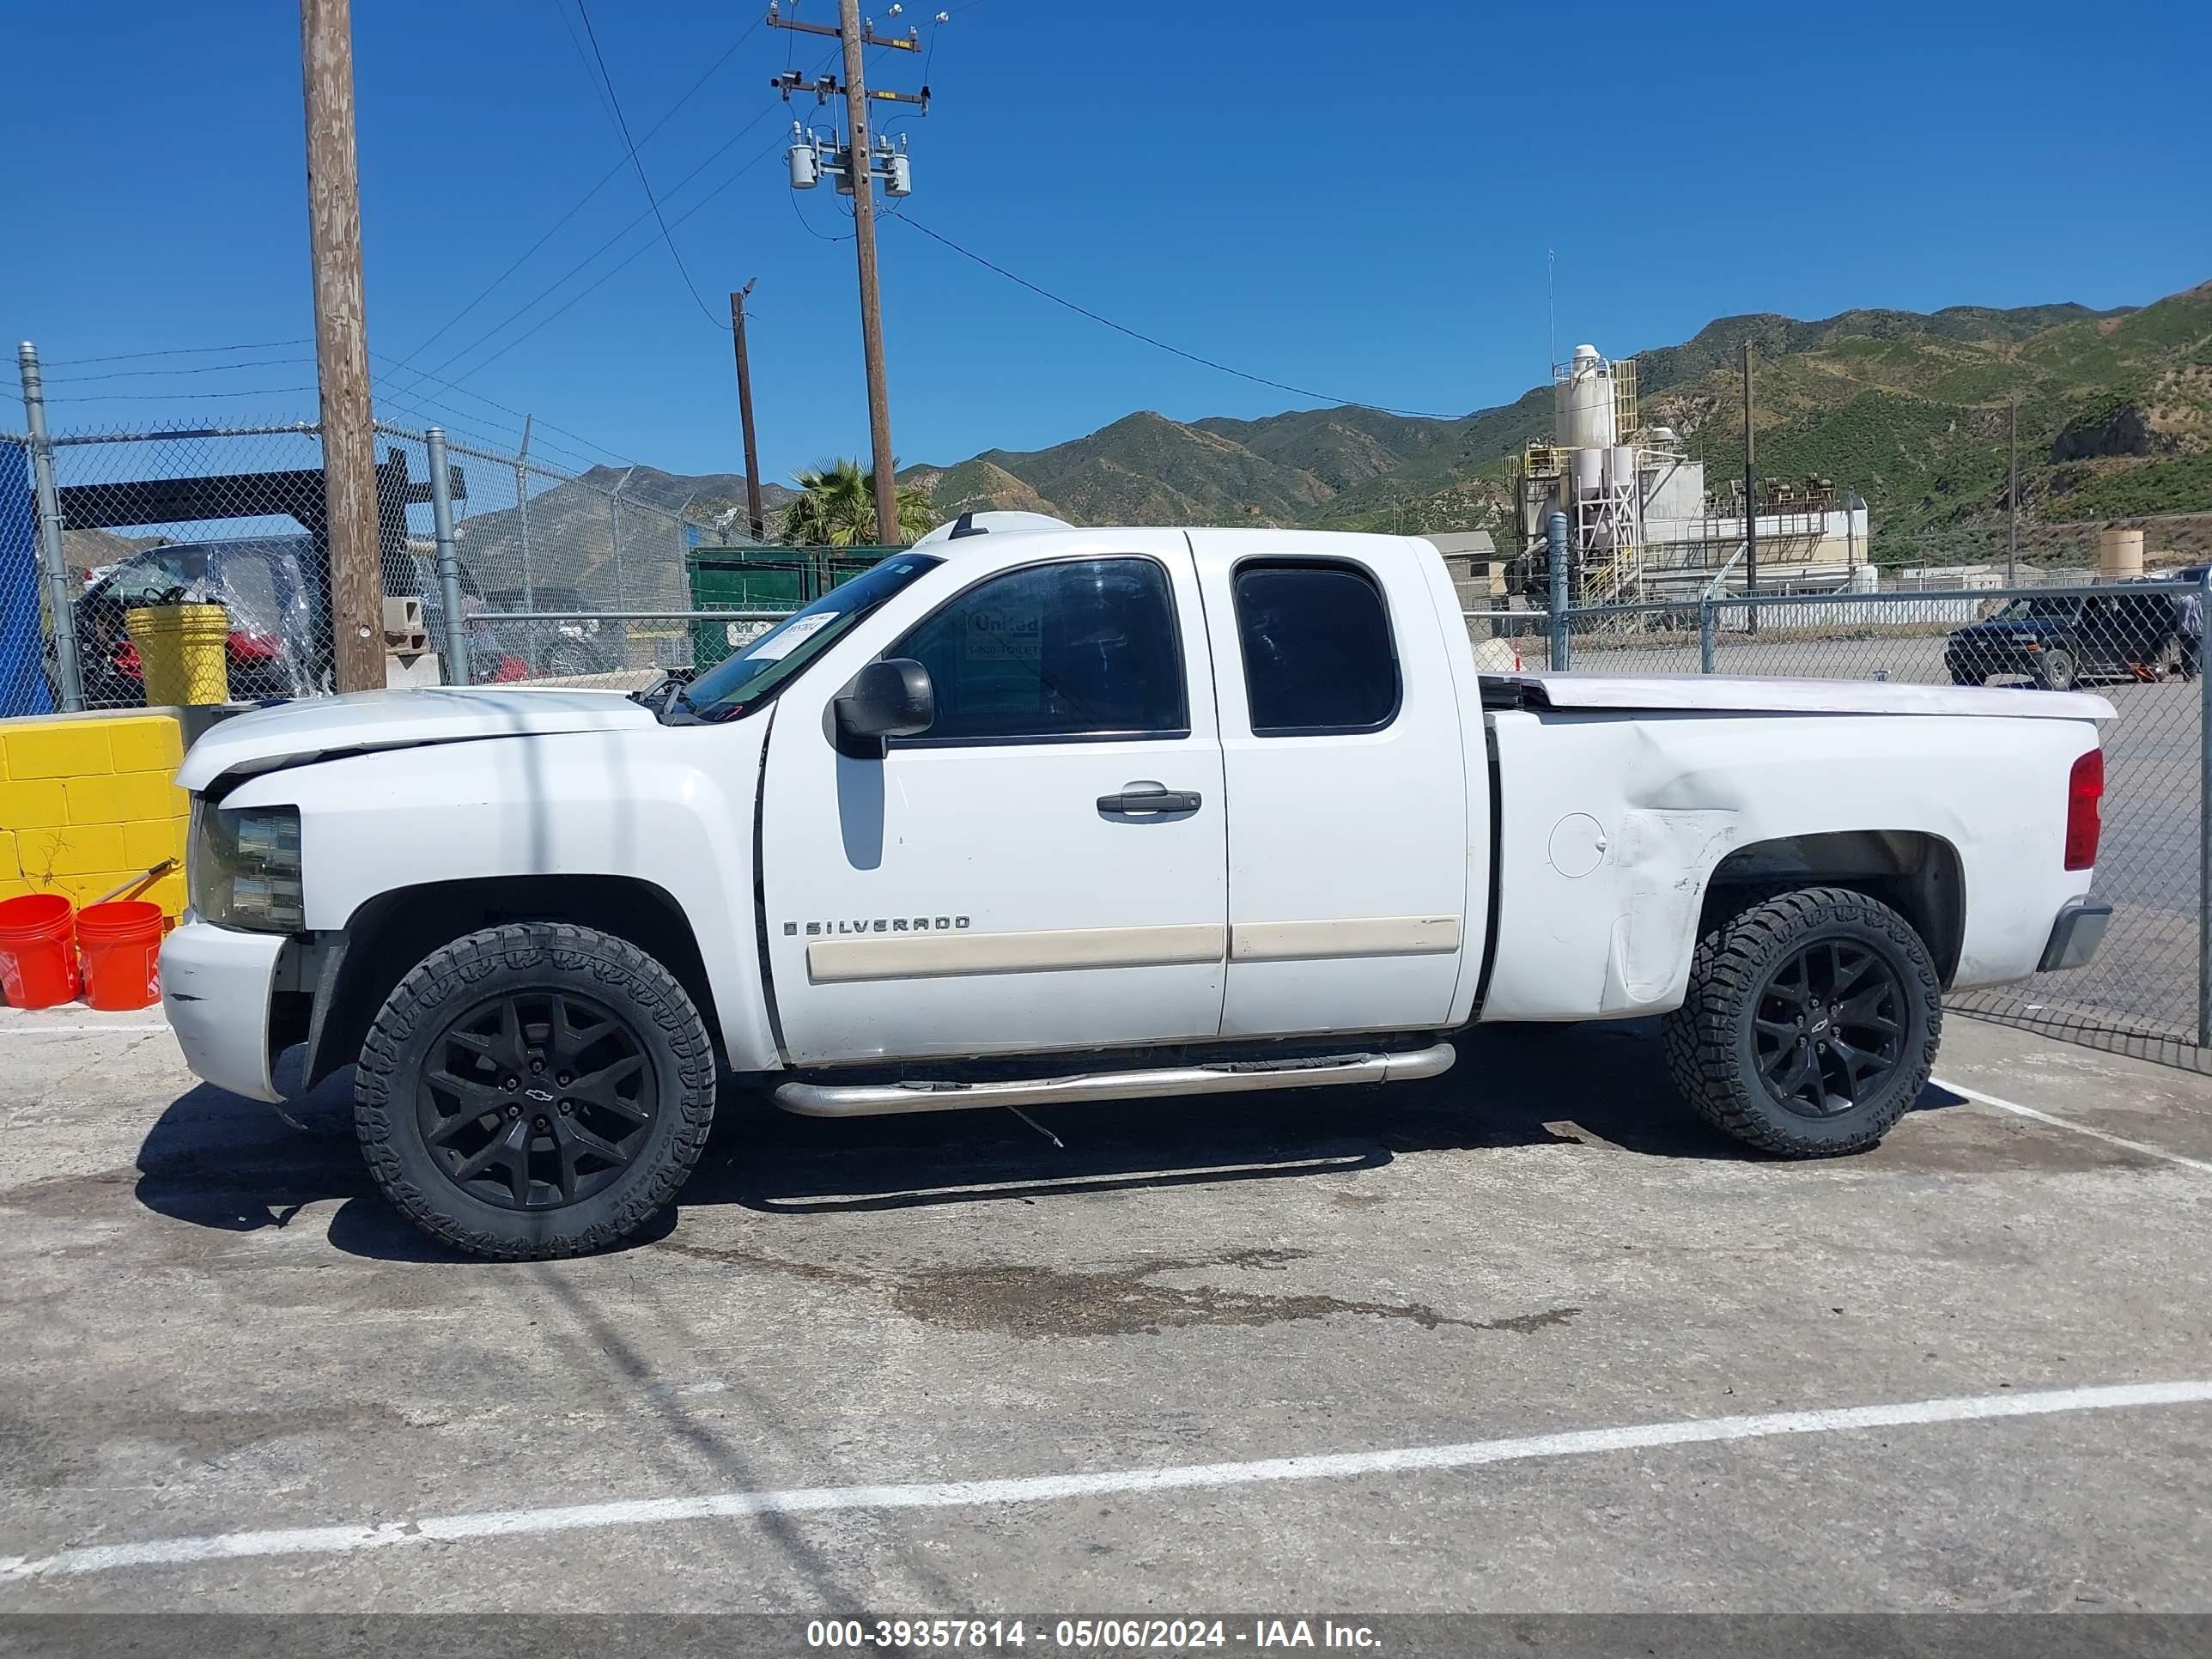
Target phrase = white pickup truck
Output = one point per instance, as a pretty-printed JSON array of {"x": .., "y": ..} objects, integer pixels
[{"x": 1036, "y": 816}]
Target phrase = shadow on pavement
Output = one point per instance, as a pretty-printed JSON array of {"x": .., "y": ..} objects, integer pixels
[{"x": 219, "y": 1161}]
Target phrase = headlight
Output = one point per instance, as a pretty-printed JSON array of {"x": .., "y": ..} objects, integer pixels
[{"x": 244, "y": 867}]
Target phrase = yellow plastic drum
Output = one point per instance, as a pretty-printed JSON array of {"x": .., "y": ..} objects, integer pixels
[{"x": 184, "y": 651}]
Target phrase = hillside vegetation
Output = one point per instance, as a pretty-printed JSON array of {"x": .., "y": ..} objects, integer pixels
[{"x": 1909, "y": 410}]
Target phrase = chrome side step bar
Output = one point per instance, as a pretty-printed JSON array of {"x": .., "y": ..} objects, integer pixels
[{"x": 1228, "y": 1076}]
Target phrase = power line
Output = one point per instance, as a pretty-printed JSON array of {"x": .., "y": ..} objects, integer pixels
[
  {"x": 622, "y": 122},
  {"x": 774, "y": 149},
  {"x": 574, "y": 270},
  {"x": 1159, "y": 344},
  {"x": 179, "y": 397},
  {"x": 199, "y": 368},
  {"x": 578, "y": 206},
  {"x": 807, "y": 225},
  {"x": 542, "y": 423},
  {"x": 179, "y": 351}
]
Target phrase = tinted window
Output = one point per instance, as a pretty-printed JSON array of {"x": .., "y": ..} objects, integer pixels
[
  {"x": 1317, "y": 651},
  {"x": 1086, "y": 648}
]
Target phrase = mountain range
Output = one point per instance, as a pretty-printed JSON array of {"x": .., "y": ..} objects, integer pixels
[{"x": 1911, "y": 409}]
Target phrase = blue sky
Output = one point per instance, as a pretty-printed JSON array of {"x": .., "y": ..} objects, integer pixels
[{"x": 1355, "y": 199}]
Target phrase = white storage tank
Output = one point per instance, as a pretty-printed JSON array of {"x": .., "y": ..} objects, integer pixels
[
  {"x": 1589, "y": 468},
  {"x": 1585, "y": 415},
  {"x": 1620, "y": 467},
  {"x": 2119, "y": 555}
]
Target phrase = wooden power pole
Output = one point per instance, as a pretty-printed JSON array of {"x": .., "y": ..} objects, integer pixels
[
  {"x": 1750, "y": 497},
  {"x": 863, "y": 240},
  {"x": 2011, "y": 503},
  {"x": 342, "y": 347},
  {"x": 754, "y": 515}
]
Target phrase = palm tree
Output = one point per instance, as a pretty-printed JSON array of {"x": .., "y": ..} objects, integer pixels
[{"x": 837, "y": 507}]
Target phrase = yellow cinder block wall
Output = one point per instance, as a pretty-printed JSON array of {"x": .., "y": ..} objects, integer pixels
[{"x": 86, "y": 803}]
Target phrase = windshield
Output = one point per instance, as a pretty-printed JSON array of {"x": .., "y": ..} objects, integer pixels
[
  {"x": 2021, "y": 610},
  {"x": 781, "y": 655}
]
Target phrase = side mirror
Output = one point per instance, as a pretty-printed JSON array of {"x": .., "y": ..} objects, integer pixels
[{"x": 891, "y": 699}]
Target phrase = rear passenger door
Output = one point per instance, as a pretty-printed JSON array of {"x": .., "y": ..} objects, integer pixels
[{"x": 1343, "y": 754}]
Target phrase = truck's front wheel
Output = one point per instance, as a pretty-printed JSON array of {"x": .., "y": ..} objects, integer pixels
[
  {"x": 533, "y": 1090},
  {"x": 1810, "y": 1025}
]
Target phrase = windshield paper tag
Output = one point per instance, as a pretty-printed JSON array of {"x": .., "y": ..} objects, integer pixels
[{"x": 789, "y": 638}]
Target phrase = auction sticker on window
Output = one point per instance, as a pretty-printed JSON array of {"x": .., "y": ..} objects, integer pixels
[
  {"x": 1003, "y": 633},
  {"x": 794, "y": 635}
]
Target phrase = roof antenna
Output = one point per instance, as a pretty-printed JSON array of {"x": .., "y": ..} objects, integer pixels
[{"x": 965, "y": 525}]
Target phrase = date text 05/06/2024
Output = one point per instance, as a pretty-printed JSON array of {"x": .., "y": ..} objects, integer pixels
[{"x": 1133, "y": 1635}]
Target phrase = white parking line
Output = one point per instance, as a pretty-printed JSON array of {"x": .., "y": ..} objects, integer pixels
[
  {"x": 2019, "y": 1110},
  {"x": 1036, "y": 1489}
]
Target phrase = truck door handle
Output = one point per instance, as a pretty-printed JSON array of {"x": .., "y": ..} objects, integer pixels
[{"x": 1144, "y": 797}]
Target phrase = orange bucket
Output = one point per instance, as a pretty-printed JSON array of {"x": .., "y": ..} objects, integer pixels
[
  {"x": 38, "y": 950},
  {"x": 122, "y": 945}
]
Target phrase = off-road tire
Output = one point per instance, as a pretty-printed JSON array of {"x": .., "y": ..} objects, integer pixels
[
  {"x": 2054, "y": 669},
  {"x": 1709, "y": 1041},
  {"x": 517, "y": 958}
]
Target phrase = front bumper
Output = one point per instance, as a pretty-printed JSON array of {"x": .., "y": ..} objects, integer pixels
[
  {"x": 2074, "y": 936},
  {"x": 217, "y": 984}
]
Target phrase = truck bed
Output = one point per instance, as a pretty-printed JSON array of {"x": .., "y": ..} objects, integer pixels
[{"x": 1744, "y": 694}]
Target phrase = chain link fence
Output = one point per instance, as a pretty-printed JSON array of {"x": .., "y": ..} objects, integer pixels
[
  {"x": 2138, "y": 644},
  {"x": 581, "y": 579},
  {"x": 559, "y": 575}
]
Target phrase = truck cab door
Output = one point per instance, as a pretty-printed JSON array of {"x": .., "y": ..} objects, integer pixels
[
  {"x": 1043, "y": 868},
  {"x": 1355, "y": 761}
]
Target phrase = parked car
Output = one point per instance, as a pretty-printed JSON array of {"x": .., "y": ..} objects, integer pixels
[
  {"x": 2061, "y": 640},
  {"x": 275, "y": 650},
  {"x": 1030, "y": 818},
  {"x": 571, "y": 646},
  {"x": 491, "y": 661}
]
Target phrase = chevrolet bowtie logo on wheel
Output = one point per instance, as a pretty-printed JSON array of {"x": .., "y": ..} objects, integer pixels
[{"x": 877, "y": 924}]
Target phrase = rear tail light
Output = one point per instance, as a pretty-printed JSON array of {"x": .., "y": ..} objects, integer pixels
[{"x": 2085, "y": 787}]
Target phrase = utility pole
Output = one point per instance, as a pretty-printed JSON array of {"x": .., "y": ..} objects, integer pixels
[
  {"x": 1750, "y": 495},
  {"x": 357, "y": 565},
  {"x": 754, "y": 515},
  {"x": 2012, "y": 504},
  {"x": 858, "y": 164},
  {"x": 863, "y": 240}
]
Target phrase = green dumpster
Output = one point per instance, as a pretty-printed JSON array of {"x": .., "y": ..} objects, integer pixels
[{"x": 762, "y": 578}]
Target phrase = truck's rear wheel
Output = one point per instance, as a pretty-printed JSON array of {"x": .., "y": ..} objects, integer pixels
[
  {"x": 1811, "y": 1023},
  {"x": 533, "y": 1090}
]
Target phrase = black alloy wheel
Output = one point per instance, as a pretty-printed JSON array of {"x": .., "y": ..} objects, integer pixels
[
  {"x": 1809, "y": 1023},
  {"x": 1829, "y": 1028},
  {"x": 536, "y": 1099}
]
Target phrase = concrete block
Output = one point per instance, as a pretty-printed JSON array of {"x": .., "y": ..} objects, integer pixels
[
  {"x": 155, "y": 743},
  {"x": 73, "y": 849},
  {"x": 29, "y": 805},
  {"x": 149, "y": 841},
  {"x": 57, "y": 749},
  {"x": 119, "y": 798}
]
